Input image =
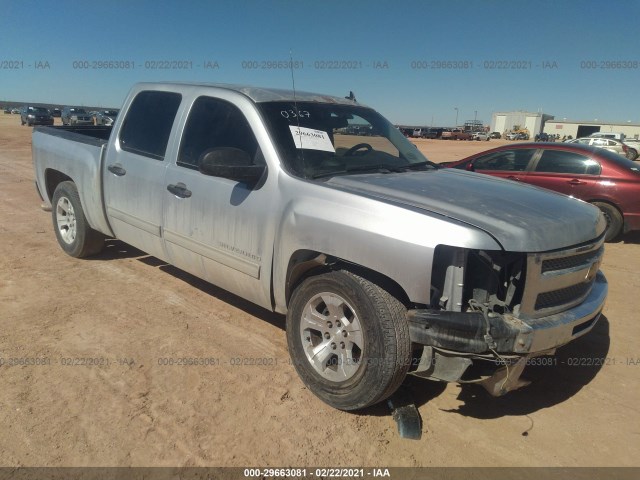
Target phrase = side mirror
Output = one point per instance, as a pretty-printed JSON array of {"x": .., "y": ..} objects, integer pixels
[
  {"x": 231, "y": 163},
  {"x": 470, "y": 167}
]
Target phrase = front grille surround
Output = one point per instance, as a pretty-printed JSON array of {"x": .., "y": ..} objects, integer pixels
[{"x": 559, "y": 280}]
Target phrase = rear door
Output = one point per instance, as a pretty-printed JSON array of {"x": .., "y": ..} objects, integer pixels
[
  {"x": 566, "y": 172},
  {"x": 135, "y": 167}
]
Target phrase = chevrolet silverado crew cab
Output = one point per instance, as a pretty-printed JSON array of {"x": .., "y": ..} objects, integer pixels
[{"x": 384, "y": 263}]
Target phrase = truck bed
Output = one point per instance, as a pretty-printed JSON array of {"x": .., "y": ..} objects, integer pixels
[
  {"x": 75, "y": 153},
  {"x": 89, "y": 134}
]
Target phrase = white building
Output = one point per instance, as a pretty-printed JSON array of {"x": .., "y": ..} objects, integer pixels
[
  {"x": 576, "y": 129},
  {"x": 504, "y": 122}
]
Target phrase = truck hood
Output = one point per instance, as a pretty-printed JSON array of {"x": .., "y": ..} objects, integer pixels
[{"x": 522, "y": 218}]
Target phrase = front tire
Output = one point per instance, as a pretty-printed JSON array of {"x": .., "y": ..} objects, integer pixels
[
  {"x": 614, "y": 220},
  {"x": 73, "y": 232},
  {"x": 348, "y": 339}
]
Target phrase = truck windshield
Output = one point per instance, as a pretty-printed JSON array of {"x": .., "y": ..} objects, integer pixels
[{"x": 324, "y": 139}]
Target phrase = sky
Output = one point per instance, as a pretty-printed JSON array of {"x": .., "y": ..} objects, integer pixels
[{"x": 418, "y": 63}]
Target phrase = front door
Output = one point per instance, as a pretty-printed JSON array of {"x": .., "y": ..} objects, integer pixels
[{"x": 216, "y": 228}]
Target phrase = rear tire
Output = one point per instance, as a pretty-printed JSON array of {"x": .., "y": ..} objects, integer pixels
[
  {"x": 73, "y": 232},
  {"x": 348, "y": 339},
  {"x": 632, "y": 154},
  {"x": 614, "y": 218}
]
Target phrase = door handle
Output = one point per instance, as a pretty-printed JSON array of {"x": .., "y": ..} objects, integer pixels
[
  {"x": 116, "y": 170},
  {"x": 575, "y": 181},
  {"x": 180, "y": 190}
]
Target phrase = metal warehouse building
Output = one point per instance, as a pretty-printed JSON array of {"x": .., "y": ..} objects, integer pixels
[
  {"x": 505, "y": 121},
  {"x": 584, "y": 129}
]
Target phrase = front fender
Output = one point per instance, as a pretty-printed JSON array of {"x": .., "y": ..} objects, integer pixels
[{"x": 390, "y": 239}]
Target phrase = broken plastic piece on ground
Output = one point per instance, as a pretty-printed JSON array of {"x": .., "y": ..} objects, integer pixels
[{"x": 406, "y": 415}]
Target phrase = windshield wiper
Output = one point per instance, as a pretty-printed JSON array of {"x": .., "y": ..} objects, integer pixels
[
  {"x": 414, "y": 166},
  {"x": 380, "y": 168},
  {"x": 329, "y": 174},
  {"x": 359, "y": 168}
]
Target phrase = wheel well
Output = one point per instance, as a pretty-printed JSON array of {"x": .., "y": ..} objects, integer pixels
[
  {"x": 52, "y": 179},
  {"x": 608, "y": 202},
  {"x": 306, "y": 263}
]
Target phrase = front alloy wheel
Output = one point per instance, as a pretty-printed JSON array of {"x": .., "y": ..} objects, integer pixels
[
  {"x": 332, "y": 337},
  {"x": 348, "y": 339}
]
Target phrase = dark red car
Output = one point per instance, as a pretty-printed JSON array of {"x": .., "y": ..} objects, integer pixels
[{"x": 603, "y": 178}]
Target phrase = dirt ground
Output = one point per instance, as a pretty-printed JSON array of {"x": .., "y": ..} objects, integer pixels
[{"x": 128, "y": 311}]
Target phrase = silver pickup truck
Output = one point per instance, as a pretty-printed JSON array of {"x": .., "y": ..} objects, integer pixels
[{"x": 384, "y": 263}]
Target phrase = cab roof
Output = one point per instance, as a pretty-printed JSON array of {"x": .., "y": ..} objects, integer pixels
[{"x": 261, "y": 94}]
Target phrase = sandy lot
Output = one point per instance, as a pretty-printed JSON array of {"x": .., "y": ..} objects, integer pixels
[{"x": 129, "y": 311}]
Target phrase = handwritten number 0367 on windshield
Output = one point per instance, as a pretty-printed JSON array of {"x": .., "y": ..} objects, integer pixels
[{"x": 292, "y": 114}]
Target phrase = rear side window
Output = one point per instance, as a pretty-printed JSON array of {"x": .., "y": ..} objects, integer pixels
[
  {"x": 557, "y": 161},
  {"x": 146, "y": 128},
  {"x": 505, "y": 160}
]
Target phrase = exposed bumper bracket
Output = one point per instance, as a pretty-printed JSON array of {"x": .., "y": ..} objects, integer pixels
[{"x": 506, "y": 379}]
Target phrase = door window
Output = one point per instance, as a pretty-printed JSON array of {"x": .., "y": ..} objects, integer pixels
[
  {"x": 505, "y": 160},
  {"x": 148, "y": 123},
  {"x": 557, "y": 161},
  {"x": 215, "y": 123}
]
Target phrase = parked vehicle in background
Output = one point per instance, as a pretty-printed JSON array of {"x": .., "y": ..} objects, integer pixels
[
  {"x": 598, "y": 176},
  {"x": 30, "y": 116},
  {"x": 7, "y": 110},
  {"x": 517, "y": 136},
  {"x": 612, "y": 135},
  {"x": 430, "y": 133},
  {"x": 633, "y": 144},
  {"x": 495, "y": 135},
  {"x": 76, "y": 116},
  {"x": 15, "y": 110},
  {"x": 56, "y": 112},
  {"x": 606, "y": 144},
  {"x": 379, "y": 262},
  {"x": 480, "y": 136},
  {"x": 106, "y": 117},
  {"x": 455, "y": 134},
  {"x": 542, "y": 137}
]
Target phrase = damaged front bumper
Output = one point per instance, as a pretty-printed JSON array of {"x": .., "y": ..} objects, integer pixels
[{"x": 453, "y": 340}]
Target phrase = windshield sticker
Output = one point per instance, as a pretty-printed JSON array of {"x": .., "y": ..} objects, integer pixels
[{"x": 311, "y": 139}]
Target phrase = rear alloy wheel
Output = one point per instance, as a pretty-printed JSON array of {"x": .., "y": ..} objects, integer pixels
[
  {"x": 632, "y": 154},
  {"x": 73, "y": 232},
  {"x": 348, "y": 339},
  {"x": 614, "y": 220}
]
